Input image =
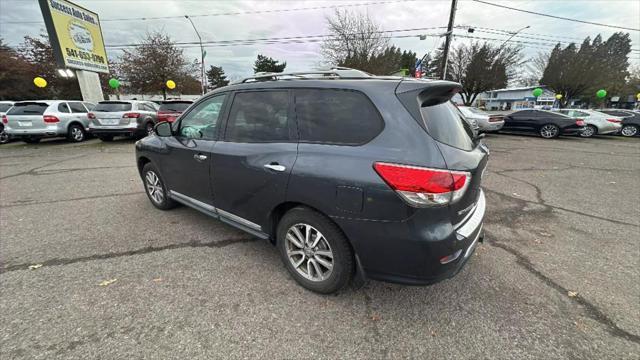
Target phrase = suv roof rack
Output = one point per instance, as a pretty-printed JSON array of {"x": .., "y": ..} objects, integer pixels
[{"x": 332, "y": 73}]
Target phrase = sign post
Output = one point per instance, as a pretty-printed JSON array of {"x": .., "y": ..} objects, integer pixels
[{"x": 76, "y": 39}]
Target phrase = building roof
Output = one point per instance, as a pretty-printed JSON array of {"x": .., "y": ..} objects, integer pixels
[{"x": 519, "y": 88}]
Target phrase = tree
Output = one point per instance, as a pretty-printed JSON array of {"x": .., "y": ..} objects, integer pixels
[
  {"x": 156, "y": 60},
  {"x": 479, "y": 67},
  {"x": 16, "y": 75},
  {"x": 579, "y": 72},
  {"x": 38, "y": 52},
  {"x": 216, "y": 77},
  {"x": 354, "y": 41},
  {"x": 267, "y": 64},
  {"x": 534, "y": 69}
]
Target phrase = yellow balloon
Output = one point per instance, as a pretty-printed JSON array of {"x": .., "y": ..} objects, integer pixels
[
  {"x": 559, "y": 96},
  {"x": 171, "y": 84},
  {"x": 40, "y": 82},
  {"x": 638, "y": 96}
]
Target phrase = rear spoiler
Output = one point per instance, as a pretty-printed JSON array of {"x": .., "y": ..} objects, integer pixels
[{"x": 415, "y": 94}]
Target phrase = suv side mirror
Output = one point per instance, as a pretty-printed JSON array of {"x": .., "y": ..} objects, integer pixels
[{"x": 163, "y": 129}]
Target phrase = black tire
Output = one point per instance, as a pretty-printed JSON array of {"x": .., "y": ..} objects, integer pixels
[
  {"x": 30, "y": 140},
  {"x": 105, "y": 138},
  {"x": 549, "y": 131},
  {"x": 162, "y": 202},
  {"x": 629, "y": 130},
  {"x": 148, "y": 128},
  {"x": 590, "y": 131},
  {"x": 76, "y": 133},
  {"x": 4, "y": 137},
  {"x": 343, "y": 259}
]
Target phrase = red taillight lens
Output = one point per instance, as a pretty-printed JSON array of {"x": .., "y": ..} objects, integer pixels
[
  {"x": 423, "y": 186},
  {"x": 4, "y": 119},
  {"x": 167, "y": 116},
  {"x": 49, "y": 119},
  {"x": 91, "y": 116},
  {"x": 131, "y": 115},
  {"x": 615, "y": 121},
  {"x": 580, "y": 122}
]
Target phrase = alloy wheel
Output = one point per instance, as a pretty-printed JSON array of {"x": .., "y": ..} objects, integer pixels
[
  {"x": 548, "y": 131},
  {"x": 309, "y": 252},
  {"x": 4, "y": 137},
  {"x": 588, "y": 132},
  {"x": 77, "y": 134},
  {"x": 154, "y": 187},
  {"x": 629, "y": 130}
]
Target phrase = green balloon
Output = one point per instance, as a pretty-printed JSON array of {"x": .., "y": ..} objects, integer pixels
[
  {"x": 601, "y": 93},
  {"x": 537, "y": 92},
  {"x": 114, "y": 83}
]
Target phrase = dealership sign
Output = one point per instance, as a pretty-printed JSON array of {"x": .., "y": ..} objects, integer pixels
[{"x": 75, "y": 36}]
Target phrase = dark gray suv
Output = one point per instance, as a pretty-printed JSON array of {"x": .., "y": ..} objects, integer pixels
[{"x": 347, "y": 174}]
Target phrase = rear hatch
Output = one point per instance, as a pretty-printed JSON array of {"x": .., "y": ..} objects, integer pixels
[
  {"x": 111, "y": 113},
  {"x": 442, "y": 120},
  {"x": 170, "y": 110},
  {"x": 27, "y": 115}
]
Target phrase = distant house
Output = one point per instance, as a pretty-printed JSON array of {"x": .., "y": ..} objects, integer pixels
[{"x": 516, "y": 98}]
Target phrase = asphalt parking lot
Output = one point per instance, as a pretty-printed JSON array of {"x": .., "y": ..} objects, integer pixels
[{"x": 111, "y": 277}]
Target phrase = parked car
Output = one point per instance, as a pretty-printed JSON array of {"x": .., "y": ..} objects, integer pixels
[
  {"x": 132, "y": 118},
  {"x": 377, "y": 176},
  {"x": 31, "y": 121},
  {"x": 171, "y": 109},
  {"x": 597, "y": 122},
  {"x": 4, "y": 107},
  {"x": 486, "y": 122},
  {"x": 545, "y": 123},
  {"x": 630, "y": 120}
]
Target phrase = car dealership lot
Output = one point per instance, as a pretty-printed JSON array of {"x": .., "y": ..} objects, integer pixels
[{"x": 557, "y": 276}]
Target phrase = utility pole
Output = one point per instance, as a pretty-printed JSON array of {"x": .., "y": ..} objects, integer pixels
[
  {"x": 449, "y": 33},
  {"x": 201, "y": 55}
]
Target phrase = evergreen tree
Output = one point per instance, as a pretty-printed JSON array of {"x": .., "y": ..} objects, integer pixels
[
  {"x": 216, "y": 77},
  {"x": 267, "y": 64}
]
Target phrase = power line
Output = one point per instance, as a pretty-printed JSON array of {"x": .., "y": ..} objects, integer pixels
[
  {"x": 145, "y": 18},
  {"x": 556, "y": 17}
]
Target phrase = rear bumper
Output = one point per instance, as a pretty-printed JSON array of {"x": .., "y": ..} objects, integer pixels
[
  {"x": 48, "y": 131},
  {"x": 126, "y": 130},
  {"x": 409, "y": 252},
  {"x": 492, "y": 126}
]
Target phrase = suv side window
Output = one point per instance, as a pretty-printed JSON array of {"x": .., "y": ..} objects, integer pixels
[
  {"x": 77, "y": 107},
  {"x": 334, "y": 116},
  {"x": 64, "y": 108},
  {"x": 259, "y": 116},
  {"x": 202, "y": 121}
]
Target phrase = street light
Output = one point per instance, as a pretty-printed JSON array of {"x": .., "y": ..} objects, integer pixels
[
  {"x": 512, "y": 35},
  {"x": 201, "y": 54}
]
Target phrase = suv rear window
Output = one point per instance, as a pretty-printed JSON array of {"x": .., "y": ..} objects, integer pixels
[
  {"x": 333, "y": 116},
  {"x": 446, "y": 124},
  {"x": 112, "y": 106},
  {"x": 174, "y": 106},
  {"x": 28, "y": 109},
  {"x": 5, "y": 107}
]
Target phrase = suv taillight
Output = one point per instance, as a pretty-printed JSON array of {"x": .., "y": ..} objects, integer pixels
[
  {"x": 615, "y": 121},
  {"x": 421, "y": 186},
  {"x": 131, "y": 115},
  {"x": 4, "y": 119},
  {"x": 580, "y": 122},
  {"x": 91, "y": 116},
  {"x": 49, "y": 119}
]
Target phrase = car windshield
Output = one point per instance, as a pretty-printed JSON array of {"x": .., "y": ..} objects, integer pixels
[
  {"x": 446, "y": 124},
  {"x": 476, "y": 111},
  {"x": 112, "y": 106},
  {"x": 28, "y": 109},
  {"x": 5, "y": 107},
  {"x": 175, "y": 106}
]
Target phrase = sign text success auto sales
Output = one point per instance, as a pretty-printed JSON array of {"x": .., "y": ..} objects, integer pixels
[{"x": 72, "y": 11}]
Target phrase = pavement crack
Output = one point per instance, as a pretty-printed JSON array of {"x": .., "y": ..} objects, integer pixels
[
  {"x": 34, "y": 170},
  {"x": 141, "y": 251},
  {"x": 28, "y": 202},
  {"x": 591, "y": 310}
]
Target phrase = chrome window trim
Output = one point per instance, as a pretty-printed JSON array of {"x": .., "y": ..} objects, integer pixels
[{"x": 475, "y": 219}]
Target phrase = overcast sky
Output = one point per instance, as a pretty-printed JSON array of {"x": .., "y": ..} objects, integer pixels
[{"x": 237, "y": 60}]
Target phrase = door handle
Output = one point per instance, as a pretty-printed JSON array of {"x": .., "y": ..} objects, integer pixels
[
  {"x": 200, "y": 157},
  {"x": 275, "y": 167}
]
